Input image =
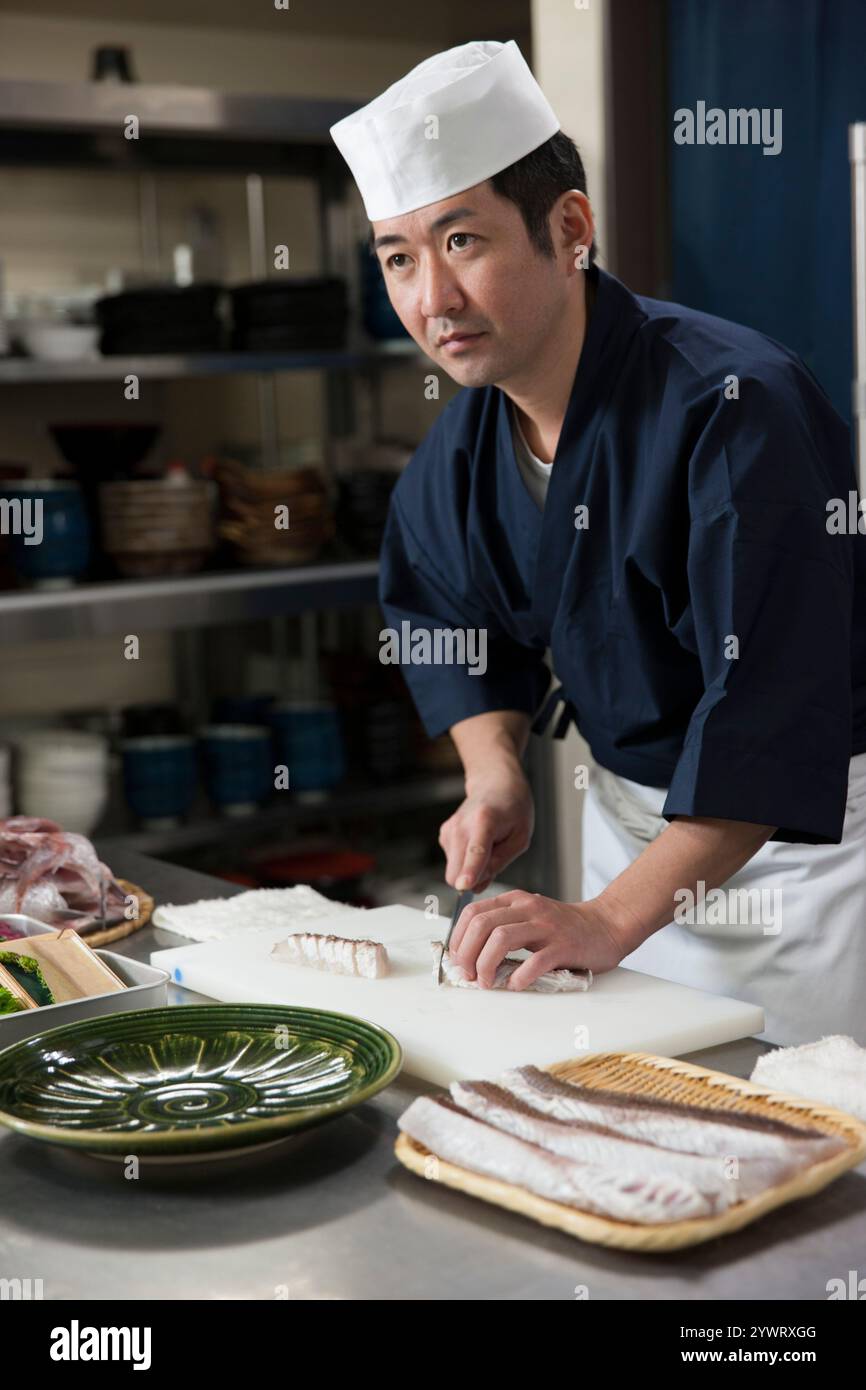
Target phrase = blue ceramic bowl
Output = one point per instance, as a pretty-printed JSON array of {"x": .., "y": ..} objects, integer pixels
[
  {"x": 309, "y": 741},
  {"x": 160, "y": 775},
  {"x": 55, "y": 551},
  {"x": 238, "y": 766}
]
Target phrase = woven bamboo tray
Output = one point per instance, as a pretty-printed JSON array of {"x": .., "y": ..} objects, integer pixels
[
  {"x": 122, "y": 929},
  {"x": 666, "y": 1079}
]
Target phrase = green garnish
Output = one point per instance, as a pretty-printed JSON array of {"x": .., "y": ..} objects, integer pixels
[
  {"x": 8, "y": 1002},
  {"x": 26, "y": 972}
]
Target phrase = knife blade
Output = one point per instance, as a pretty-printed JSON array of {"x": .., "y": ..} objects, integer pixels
[{"x": 463, "y": 900}]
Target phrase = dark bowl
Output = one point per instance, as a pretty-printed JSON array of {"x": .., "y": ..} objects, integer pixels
[{"x": 104, "y": 444}]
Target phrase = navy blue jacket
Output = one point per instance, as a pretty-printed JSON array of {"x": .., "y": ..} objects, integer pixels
[{"x": 707, "y": 520}]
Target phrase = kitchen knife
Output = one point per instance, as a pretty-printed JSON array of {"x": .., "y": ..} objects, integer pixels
[{"x": 463, "y": 900}]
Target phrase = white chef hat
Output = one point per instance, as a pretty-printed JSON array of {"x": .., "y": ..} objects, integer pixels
[{"x": 489, "y": 111}]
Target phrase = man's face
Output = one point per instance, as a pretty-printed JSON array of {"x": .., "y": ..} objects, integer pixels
[{"x": 469, "y": 286}]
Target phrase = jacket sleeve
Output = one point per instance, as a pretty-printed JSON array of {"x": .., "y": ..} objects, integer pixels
[
  {"x": 770, "y": 588},
  {"x": 496, "y": 672}
]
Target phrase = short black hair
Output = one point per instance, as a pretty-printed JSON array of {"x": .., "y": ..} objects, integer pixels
[{"x": 535, "y": 182}]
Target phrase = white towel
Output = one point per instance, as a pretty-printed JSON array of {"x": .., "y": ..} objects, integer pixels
[
  {"x": 222, "y": 919},
  {"x": 832, "y": 1071}
]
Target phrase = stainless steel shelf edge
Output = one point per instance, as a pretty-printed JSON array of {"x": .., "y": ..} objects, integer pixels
[
  {"x": 102, "y": 107},
  {"x": 24, "y": 371},
  {"x": 393, "y": 798},
  {"x": 197, "y": 600}
]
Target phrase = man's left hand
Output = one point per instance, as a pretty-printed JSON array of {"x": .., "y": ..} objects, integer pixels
[{"x": 575, "y": 936}]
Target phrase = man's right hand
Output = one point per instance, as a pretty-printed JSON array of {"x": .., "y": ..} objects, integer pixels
[{"x": 492, "y": 827}]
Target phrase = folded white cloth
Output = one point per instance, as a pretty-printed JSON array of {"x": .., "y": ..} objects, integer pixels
[
  {"x": 832, "y": 1071},
  {"x": 221, "y": 919}
]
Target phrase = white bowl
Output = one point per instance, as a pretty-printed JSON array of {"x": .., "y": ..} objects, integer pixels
[
  {"x": 78, "y": 813},
  {"x": 59, "y": 342}
]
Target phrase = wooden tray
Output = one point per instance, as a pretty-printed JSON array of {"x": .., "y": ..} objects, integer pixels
[
  {"x": 122, "y": 929},
  {"x": 662, "y": 1078}
]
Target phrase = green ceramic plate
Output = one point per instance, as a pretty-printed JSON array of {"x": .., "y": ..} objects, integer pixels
[{"x": 192, "y": 1078}]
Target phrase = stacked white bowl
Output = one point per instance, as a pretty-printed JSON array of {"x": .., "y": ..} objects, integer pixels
[{"x": 63, "y": 775}]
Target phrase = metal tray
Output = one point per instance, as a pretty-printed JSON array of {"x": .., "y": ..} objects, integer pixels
[{"x": 145, "y": 990}]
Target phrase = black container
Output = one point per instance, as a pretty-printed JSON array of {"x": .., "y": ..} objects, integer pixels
[
  {"x": 290, "y": 315},
  {"x": 164, "y": 318}
]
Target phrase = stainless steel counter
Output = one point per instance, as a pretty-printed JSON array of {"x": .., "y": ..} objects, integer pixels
[{"x": 331, "y": 1214}]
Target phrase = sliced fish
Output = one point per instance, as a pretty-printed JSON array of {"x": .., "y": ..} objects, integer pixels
[
  {"x": 553, "y": 982},
  {"x": 687, "y": 1129},
  {"x": 342, "y": 955},
  {"x": 453, "y": 1135},
  {"x": 713, "y": 1175}
]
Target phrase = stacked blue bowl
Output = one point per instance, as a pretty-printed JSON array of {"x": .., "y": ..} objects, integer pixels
[
  {"x": 160, "y": 775},
  {"x": 309, "y": 742},
  {"x": 61, "y": 553},
  {"x": 238, "y": 766}
]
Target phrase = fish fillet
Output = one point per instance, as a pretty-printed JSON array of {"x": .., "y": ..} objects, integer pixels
[
  {"x": 451, "y": 1134},
  {"x": 684, "y": 1128},
  {"x": 553, "y": 982},
  {"x": 713, "y": 1175},
  {"x": 342, "y": 955}
]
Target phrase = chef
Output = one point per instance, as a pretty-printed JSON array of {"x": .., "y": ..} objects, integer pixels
[{"x": 647, "y": 492}]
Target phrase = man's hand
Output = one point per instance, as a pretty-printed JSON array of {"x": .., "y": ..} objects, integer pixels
[
  {"x": 560, "y": 935},
  {"x": 489, "y": 829}
]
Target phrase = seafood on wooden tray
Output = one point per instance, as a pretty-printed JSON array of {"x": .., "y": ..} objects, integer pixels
[
  {"x": 45, "y": 869},
  {"x": 671, "y": 1125},
  {"x": 552, "y": 982},
  {"x": 625, "y": 1157},
  {"x": 342, "y": 955}
]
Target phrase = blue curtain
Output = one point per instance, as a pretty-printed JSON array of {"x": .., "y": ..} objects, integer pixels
[{"x": 765, "y": 239}]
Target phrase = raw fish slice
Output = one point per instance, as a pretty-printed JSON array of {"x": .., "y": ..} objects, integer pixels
[
  {"x": 28, "y": 825},
  {"x": 40, "y": 901},
  {"x": 19, "y": 835},
  {"x": 342, "y": 955},
  {"x": 451, "y": 1134},
  {"x": 552, "y": 982},
  {"x": 588, "y": 1143},
  {"x": 40, "y": 864},
  {"x": 45, "y": 868},
  {"x": 685, "y": 1128}
]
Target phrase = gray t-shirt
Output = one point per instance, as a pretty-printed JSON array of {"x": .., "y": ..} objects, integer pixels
[{"x": 536, "y": 474}]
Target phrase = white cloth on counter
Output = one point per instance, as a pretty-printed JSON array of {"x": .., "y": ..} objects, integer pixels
[
  {"x": 809, "y": 977},
  {"x": 226, "y": 919},
  {"x": 832, "y": 1071}
]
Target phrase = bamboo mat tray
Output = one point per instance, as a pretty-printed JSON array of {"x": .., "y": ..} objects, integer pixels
[
  {"x": 664, "y": 1079},
  {"x": 122, "y": 929}
]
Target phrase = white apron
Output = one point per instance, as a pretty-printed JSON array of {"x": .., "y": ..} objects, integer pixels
[{"x": 804, "y": 965}]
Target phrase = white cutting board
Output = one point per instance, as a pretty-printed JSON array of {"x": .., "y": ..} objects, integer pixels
[{"x": 448, "y": 1032}]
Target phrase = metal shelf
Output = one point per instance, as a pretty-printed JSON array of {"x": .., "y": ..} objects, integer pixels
[
  {"x": 392, "y": 798},
  {"x": 189, "y": 601},
  {"x": 102, "y": 107},
  {"x": 83, "y": 123},
  {"x": 20, "y": 371}
]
